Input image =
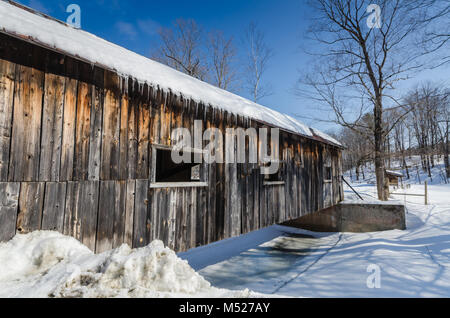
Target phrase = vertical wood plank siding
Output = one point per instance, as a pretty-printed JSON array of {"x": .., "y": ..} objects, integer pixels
[{"x": 76, "y": 157}]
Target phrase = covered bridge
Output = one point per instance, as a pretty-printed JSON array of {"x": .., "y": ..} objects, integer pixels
[{"x": 85, "y": 127}]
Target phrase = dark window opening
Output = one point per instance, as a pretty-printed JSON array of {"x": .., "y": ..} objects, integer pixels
[
  {"x": 328, "y": 174},
  {"x": 275, "y": 177},
  {"x": 168, "y": 171}
]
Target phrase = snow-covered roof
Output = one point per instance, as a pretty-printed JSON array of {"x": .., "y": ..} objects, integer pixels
[
  {"x": 394, "y": 173},
  {"x": 40, "y": 29}
]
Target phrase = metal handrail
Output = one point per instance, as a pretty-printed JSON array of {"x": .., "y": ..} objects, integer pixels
[{"x": 352, "y": 188}]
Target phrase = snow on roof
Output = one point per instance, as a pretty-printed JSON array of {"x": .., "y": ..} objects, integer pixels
[
  {"x": 394, "y": 173},
  {"x": 54, "y": 34}
]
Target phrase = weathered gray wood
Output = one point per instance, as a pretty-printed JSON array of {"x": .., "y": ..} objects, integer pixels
[
  {"x": 26, "y": 131},
  {"x": 141, "y": 220},
  {"x": 95, "y": 142},
  {"x": 119, "y": 213},
  {"x": 7, "y": 75},
  {"x": 129, "y": 214},
  {"x": 193, "y": 218},
  {"x": 132, "y": 127},
  {"x": 105, "y": 226},
  {"x": 89, "y": 209},
  {"x": 124, "y": 135},
  {"x": 164, "y": 207},
  {"x": 109, "y": 169},
  {"x": 80, "y": 218},
  {"x": 72, "y": 220},
  {"x": 154, "y": 213},
  {"x": 52, "y": 128},
  {"x": 54, "y": 206},
  {"x": 156, "y": 120},
  {"x": 68, "y": 136},
  {"x": 82, "y": 132},
  {"x": 174, "y": 197},
  {"x": 9, "y": 203},
  {"x": 31, "y": 201},
  {"x": 165, "y": 118},
  {"x": 143, "y": 141},
  {"x": 111, "y": 215}
]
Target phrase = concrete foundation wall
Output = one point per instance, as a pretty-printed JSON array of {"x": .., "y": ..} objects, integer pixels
[{"x": 354, "y": 217}]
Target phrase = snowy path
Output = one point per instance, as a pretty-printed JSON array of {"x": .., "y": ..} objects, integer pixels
[{"x": 413, "y": 263}]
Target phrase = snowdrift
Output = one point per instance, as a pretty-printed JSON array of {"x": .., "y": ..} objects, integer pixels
[{"x": 49, "y": 264}]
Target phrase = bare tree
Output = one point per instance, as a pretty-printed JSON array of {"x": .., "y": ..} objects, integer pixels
[
  {"x": 182, "y": 48},
  {"x": 222, "y": 54},
  {"x": 363, "y": 54},
  {"x": 437, "y": 35},
  {"x": 257, "y": 62},
  {"x": 429, "y": 123}
]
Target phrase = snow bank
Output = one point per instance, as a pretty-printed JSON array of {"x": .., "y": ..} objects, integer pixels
[
  {"x": 51, "y": 33},
  {"x": 49, "y": 264}
]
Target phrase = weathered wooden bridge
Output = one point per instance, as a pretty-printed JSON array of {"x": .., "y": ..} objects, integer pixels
[{"x": 83, "y": 151}]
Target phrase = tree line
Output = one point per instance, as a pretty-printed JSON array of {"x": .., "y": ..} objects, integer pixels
[
  {"x": 213, "y": 57},
  {"x": 421, "y": 129},
  {"x": 362, "y": 58}
]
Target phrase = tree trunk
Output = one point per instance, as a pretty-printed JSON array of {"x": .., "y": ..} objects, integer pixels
[
  {"x": 446, "y": 152},
  {"x": 379, "y": 152}
]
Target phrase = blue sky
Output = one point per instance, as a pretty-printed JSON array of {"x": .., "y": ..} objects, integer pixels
[{"x": 134, "y": 24}]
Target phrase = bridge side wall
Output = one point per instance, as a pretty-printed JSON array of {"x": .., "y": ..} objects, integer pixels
[{"x": 76, "y": 157}]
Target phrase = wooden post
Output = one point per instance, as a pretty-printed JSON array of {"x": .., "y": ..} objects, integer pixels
[{"x": 426, "y": 192}]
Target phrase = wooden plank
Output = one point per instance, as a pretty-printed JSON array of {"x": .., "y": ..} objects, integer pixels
[
  {"x": 109, "y": 169},
  {"x": 183, "y": 219},
  {"x": 31, "y": 201},
  {"x": 7, "y": 75},
  {"x": 119, "y": 213},
  {"x": 9, "y": 203},
  {"x": 82, "y": 132},
  {"x": 220, "y": 182},
  {"x": 68, "y": 136},
  {"x": 174, "y": 197},
  {"x": 132, "y": 152},
  {"x": 123, "y": 138},
  {"x": 256, "y": 199},
  {"x": 95, "y": 142},
  {"x": 52, "y": 128},
  {"x": 165, "y": 118},
  {"x": 193, "y": 218},
  {"x": 105, "y": 226},
  {"x": 88, "y": 207},
  {"x": 80, "y": 217},
  {"x": 141, "y": 221},
  {"x": 143, "y": 141},
  {"x": 26, "y": 131},
  {"x": 153, "y": 199},
  {"x": 54, "y": 205},
  {"x": 71, "y": 218},
  {"x": 282, "y": 211},
  {"x": 155, "y": 214},
  {"x": 164, "y": 205},
  {"x": 111, "y": 215},
  {"x": 156, "y": 119},
  {"x": 129, "y": 214}
]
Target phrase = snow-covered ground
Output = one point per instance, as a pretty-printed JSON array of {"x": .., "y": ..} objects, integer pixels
[
  {"x": 298, "y": 263},
  {"x": 48, "y": 264}
]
